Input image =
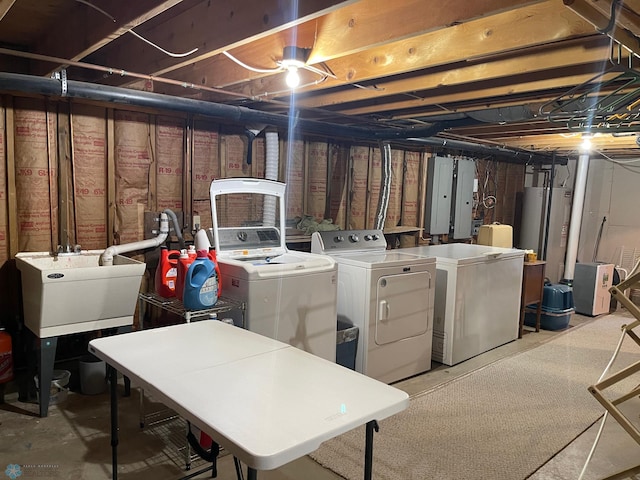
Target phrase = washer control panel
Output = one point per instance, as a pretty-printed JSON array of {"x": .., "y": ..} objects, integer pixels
[
  {"x": 343, "y": 241},
  {"x": 248, "y": 238}
]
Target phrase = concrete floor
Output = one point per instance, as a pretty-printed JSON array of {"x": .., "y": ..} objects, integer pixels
[{"x": 73, "y": 441}]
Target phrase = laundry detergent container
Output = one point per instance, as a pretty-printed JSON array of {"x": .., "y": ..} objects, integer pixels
[{"x": 557, "y": 308}]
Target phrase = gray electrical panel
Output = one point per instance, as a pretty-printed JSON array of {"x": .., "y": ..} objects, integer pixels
[
  {"x": 437, "y": 212},
  {"x": 463, "y": 201}
]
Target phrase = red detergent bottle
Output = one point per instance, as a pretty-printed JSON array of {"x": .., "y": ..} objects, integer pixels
[
  {"x": 184, "y": 262},
  {"x": 167, "y": 272},
  {"x": 200, "y": 284}
]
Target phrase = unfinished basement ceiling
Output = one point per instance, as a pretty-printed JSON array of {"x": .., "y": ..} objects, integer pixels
[{"x": 521, "y": 74}]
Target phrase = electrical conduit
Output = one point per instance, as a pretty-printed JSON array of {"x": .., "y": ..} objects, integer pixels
[{"x": 385, "y": 187}]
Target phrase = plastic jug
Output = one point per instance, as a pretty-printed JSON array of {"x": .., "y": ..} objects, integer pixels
[
  {"x": 200, "y": 284},
  {"x": 167, "y": 272},
  {"x": 184, "y": 262}
]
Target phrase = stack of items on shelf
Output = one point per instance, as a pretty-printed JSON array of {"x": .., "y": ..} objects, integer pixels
[{"x": 192, "y": 275}]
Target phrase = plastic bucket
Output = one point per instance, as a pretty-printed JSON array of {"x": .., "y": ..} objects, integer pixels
[
  {"x": 93, "y": 375},
  {"x": 58, "y": 390}
]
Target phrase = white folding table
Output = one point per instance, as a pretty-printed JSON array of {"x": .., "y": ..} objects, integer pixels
[{"x": 266, "y": 402}]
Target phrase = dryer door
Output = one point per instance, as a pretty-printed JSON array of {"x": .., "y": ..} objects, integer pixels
[{"x": 402, "y": 306}]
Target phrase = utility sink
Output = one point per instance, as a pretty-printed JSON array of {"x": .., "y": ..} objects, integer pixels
[{"x": 72, "y": 293}]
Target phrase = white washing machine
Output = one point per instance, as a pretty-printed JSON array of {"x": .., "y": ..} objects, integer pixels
[
  {"x": 288, "y": 296},
  {"x": 477, "y": 305},
  {"x": 389, "y": 296}
]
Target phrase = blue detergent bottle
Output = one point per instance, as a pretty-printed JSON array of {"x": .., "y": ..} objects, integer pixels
[{"x": 200, "y": 284}]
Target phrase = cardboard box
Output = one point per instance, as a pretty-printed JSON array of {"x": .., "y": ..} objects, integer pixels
[{"x": 496, "y": 235}]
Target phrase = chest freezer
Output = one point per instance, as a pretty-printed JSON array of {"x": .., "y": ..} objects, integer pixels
[{"x": 477, "y": 300}]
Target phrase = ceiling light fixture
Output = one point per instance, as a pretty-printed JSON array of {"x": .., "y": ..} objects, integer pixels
[
  {"x": 293, "y": 77},
  {"x": 585, "y": 146},
  {"x": 293, "y": 58}
]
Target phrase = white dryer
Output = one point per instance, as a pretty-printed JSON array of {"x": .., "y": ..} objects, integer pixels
[
  {"x": 288, "y": 296},
  {"x": 389, "y": 296}
]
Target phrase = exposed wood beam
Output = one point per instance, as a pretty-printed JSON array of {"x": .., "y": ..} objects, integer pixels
[
  {"x": 626, "y": 16},
  {"x": 371, "y": 23},
  {"x": 346, "y": 31},
  {"x": 567, "y": 142},
  {"x": 220, "y": 25},
  {"x": 565, "y": 55},
  {"x": 599, "y": 21},
  {"x": 5, "y": 5},
  {"x": 477, "y": 93},
  {"x": 538, "y": 24},
  {"x": 87, "y": 29},
  {"x": 510, "y": 130}
]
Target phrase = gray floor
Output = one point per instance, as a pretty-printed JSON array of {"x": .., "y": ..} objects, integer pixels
[{"x": 73, "y": 441}]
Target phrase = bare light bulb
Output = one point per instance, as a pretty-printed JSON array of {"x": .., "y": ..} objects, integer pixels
[
  {"x": 585, "y": 146},
  {"x": 293, "y": 78}
]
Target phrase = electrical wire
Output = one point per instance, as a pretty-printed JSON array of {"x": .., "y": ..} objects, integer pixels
[
  {"x": 110, "y": 17},
  {"x": 490, "y": 198},
  {"x": 166, "y": 52},
  {"x": 95, "y": 7},
  {"x": 115, "y": 71},
  {"x": 288, "y": 90},
  {"x": 250, "y": 68},
  {"x": 619, "y": 162},
  {"x": 325, "y": 73}
]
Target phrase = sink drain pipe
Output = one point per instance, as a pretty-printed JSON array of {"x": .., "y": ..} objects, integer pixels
[{"x": 106, "y": 259}]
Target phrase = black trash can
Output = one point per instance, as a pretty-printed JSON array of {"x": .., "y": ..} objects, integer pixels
[{"x": 346, "y": 344}]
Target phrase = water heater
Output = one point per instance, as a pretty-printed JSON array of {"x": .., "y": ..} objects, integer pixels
[{"x": 532, "y": 229}]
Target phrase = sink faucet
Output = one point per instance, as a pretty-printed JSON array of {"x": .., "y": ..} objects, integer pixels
[{"x": 67, "y": 250}]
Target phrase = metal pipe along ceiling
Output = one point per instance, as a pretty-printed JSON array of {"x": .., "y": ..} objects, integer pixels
[{"x": 12, "y": 82}]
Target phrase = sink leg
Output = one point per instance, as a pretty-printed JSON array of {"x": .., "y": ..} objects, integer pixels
[{"x": 46, "y": 359}]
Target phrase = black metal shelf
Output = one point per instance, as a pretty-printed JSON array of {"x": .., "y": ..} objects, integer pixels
[{"x": 174, "y": 305}]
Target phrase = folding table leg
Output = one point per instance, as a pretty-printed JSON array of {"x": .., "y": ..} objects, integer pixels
[
  {"x": 113, "y": 380},
  {"x": 368, "y": 449}
]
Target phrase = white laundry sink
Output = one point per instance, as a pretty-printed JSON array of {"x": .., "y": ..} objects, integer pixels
[{"x": 72, "y": 293}]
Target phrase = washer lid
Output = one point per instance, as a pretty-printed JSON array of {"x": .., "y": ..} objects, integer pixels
[
  {"x": 286, "y": 264},
  {"x": 253, "y": 221}
]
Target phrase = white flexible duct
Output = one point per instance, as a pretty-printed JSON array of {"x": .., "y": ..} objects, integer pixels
[
  {"x": 106, "y": 259},
  {"x": 576, "y": 216},
  {"x": 271, "y": 173},
  {"x": 385, "y": 187}
]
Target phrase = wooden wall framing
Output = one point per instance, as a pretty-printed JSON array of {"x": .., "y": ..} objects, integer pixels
[{"x": 90, "y": 172}]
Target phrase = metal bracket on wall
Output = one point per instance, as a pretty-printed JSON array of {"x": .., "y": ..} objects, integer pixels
[{"x": 62, "y": 76}]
